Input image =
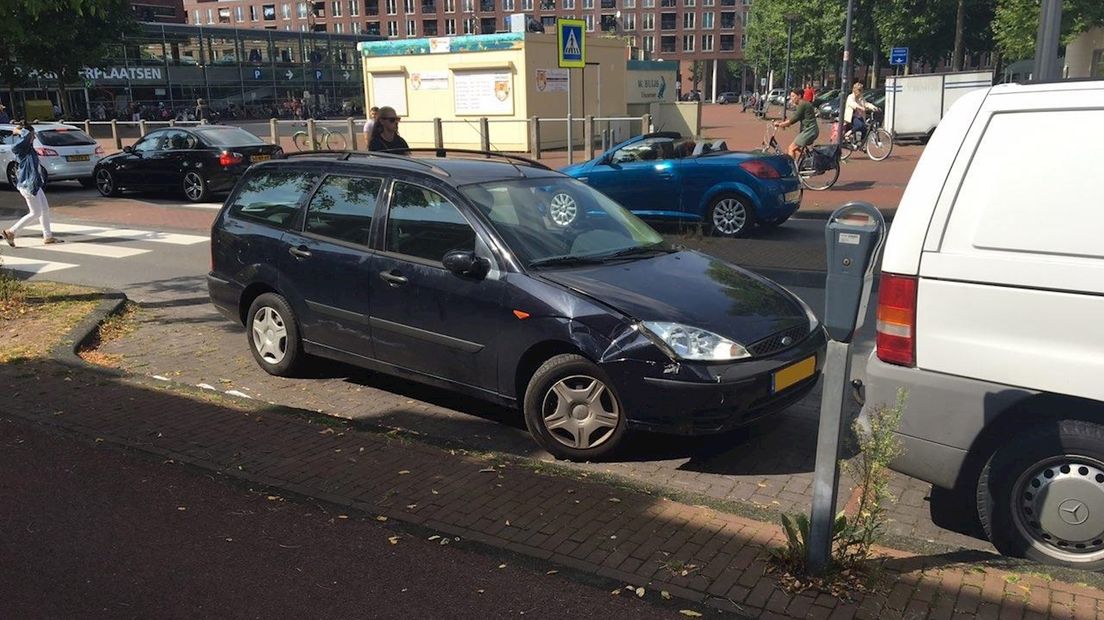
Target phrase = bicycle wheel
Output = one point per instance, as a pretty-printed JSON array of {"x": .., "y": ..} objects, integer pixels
[
  {"x": 879, "y": 144},
  {"x": 301, "y": 141},
  {"x": 813, "y": 179},
  {"x": 334, "y": 141},
  {"x": 847, "y": 146}
]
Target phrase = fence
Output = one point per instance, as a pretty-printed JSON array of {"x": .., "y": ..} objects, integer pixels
[{"x": 534, "y": 135}]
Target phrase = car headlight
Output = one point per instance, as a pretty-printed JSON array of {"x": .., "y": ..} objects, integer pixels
[{"x": 692, "y": 343}]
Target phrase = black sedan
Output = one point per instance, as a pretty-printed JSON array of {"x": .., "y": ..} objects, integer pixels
[{"x": 198, "y": 161}]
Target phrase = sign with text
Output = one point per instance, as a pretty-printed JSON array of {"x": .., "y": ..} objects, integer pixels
[
  {"x": 649, "y": 86},
  {"x": 483, "y": 92},
  {"x": 551, "y": 80},
  {"x": 570, "y": 43},
  {"x": 899, "y": 56},
  {"x": 429, "y": 80}
]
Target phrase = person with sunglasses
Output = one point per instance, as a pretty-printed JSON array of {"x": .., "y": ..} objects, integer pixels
[{"x": 385, "y": 133}]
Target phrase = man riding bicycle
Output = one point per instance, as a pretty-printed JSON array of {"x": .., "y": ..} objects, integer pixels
[{"x": 806, "y": 115}]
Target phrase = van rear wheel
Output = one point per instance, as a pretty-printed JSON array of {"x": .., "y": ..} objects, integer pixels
[{"x": 1041, "y": 496}]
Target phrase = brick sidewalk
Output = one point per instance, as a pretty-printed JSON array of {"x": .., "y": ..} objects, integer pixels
[{"x": 629, "y": 537}]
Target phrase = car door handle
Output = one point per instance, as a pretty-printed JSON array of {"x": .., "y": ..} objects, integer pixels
[
  {"x": 299, "y": 252},
  {"x": 393, "y": 278}
]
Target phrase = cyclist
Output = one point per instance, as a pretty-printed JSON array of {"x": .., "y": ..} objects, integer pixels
[
  {"x": 806, "y": 115},
  {"x": 854, "y": 114}
]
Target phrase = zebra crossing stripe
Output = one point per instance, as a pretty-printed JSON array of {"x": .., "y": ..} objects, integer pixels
[
  {"x": 127, "y": 233},
  {"x": 30, "y": 265},
  {"x": 74, "y": 245}
]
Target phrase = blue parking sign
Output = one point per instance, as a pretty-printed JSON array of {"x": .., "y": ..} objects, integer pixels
[
  {"x": 898, "y": 56},
  {"x": 571, "y": 43}
]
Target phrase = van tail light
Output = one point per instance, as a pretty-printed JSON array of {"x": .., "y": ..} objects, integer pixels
[
  {"x": 227, "y": 158},
  {"x": 45, "y": 152},
  {"x": 760, "y": 169},
  {"x": 99, "y": 150},
  {"x": 897, "y": 319}
]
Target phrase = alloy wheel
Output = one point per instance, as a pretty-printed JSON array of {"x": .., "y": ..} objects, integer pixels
[
  {"x": 729, "y": 216},
  {"x": 193, "y": 186},
  {"x": 104, "y": 183},
  {"x": 580, "y": 412},
  {"x": 269, "y": 335}
]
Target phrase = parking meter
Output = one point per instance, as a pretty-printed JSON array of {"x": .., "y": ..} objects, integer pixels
[{"x": 855, "y": 235}]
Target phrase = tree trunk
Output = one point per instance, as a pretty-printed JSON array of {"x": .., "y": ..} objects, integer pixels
[
  {"x": 874, "y": 61},
  {"x": 960, "y": 26}
]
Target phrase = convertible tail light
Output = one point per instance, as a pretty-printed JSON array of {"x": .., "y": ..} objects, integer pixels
[
  {"x": 45, "y": 152},
  {"x": 896, "y": 339},
  {"x": 99, "y": 150},
  {"x": 227, "y": 158},
  {"x": 760, "y": 169}
]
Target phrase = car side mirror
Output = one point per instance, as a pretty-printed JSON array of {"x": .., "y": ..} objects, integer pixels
[
  {"x": 466, "y": 263},
  {"x": 128, "y": 149}
]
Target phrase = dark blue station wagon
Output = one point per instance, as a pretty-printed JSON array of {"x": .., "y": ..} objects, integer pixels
[{"x": 452, "y": 270}]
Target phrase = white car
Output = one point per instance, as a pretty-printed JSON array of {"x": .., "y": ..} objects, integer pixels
[
  {"x": 991, "y": 316},
  {"x": 64, "y": 153}
]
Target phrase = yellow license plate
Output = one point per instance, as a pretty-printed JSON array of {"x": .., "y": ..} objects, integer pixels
[
  {"x": 256, "y": 158},
  {"x": 793, "y": 374},
  {"x": 76, "y": 158}
]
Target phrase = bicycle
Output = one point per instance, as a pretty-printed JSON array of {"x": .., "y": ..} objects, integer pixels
[
  {"x": 817, "y": 168},
  {"x": 331, "y": 140},
  {"x": 875, "y": 140}
]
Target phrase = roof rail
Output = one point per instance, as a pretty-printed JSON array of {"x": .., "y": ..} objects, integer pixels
[
  {"x": 345, "y": 155},
  {"x": 445, "y": 152}
]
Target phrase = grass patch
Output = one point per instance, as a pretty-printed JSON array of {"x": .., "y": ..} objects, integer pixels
[{"x": 36, "y": 316}]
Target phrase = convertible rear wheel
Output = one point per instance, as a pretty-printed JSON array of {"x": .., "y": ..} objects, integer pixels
[{"x": 731, "y": 216}]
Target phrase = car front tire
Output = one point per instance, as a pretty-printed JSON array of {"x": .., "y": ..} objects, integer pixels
[
  {"x": 273, "y": 334},
  {"x": 572, "y": 409},
  {"x": 1041, "y": 495},
  {"x": 730, "y": 216}
]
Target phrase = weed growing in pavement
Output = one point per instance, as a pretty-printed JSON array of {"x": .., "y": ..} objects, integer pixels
[
  {"x": 853, "y": 536},
  {"x": 113, "y": 327},
  {"x": 13, "y": 293}
]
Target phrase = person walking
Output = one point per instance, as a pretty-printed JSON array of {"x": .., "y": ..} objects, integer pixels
[
  {"x": 29, "y": 182},
  {"x": 385, "y": 133},
  {"x": 810, "y": 93},
  {"x": 202, "y": 111},
  {"x": 804, "y": 114},
  {"x": 4, "y": 118},
  {"x": 372, "y": 114}
]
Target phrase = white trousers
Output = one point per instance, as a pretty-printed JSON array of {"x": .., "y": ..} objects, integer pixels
[{"x": 39, "y": 209}]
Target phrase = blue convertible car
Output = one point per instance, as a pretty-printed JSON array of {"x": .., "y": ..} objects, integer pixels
[{"x": 665, "y": 176}]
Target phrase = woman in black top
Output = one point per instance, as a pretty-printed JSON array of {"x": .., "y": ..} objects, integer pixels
[{"x": 385, "y": 133}]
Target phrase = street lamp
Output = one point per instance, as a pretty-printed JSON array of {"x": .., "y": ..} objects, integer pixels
[{"x": 791, "y": 19}]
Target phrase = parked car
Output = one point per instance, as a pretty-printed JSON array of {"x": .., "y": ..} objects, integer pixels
[
  {"x": 777, "y": 96},
  {"x": 197, "y": 161},
  {"x": 665, "y": 176},
  {"x": 458, "y": 272},
  {"x": 65, "y": 153},
  {"x": 990, "y": 317},
  {"x": 826, "y": 96},
  {"x": 728, "y": 97},
  {"x": 830, "y": 109}
]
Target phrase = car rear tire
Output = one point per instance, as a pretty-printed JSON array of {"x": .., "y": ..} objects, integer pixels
[
  {"x": 1041, "y": 495},
  {"x": 572, "y": 409},
  {"x": 730, "y": 216},
  {"x": 195, "y": 187},
  {"x": 273, "y": 334},
  {"x": 106, "y": 183}
]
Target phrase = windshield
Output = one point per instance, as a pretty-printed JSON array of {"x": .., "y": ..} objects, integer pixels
[
  {"x": 64, "y": 137},
  {"x": 560, "y": 220},
  {"x": 228, "y": 136}
]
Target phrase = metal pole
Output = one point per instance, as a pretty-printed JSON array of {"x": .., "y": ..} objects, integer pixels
[
  {"x": 570, "y": 147},
  {"x": 826, "y": 480},
  {"x": 1046, "y": 41},
  {"x": 789, "y": 51},
  {"x": 845, "y": 71}
]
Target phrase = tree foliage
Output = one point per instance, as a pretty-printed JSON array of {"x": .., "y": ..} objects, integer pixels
[
  {"x": 817, "y": 35},
  {"x": 1016, "y": 24}
]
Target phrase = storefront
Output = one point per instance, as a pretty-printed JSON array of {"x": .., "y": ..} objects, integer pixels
[{"x": 164, "y": 70}]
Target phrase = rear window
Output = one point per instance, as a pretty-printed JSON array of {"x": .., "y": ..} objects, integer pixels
[
  {"x": 228, "y": 136},
  {"x": 272, "y": 197},
  {"x": 64, "y": 137}
]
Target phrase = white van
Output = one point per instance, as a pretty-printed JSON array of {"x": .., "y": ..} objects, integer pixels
[{"x": 991, "y": 315}]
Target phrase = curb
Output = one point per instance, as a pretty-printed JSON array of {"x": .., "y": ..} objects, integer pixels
[
  {"x": 824, "y": 215},
  {"x": 111, "y": 302}
]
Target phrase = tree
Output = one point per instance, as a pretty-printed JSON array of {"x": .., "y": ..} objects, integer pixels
[
  {"x": 817, "y": 35},
  {"x": 1016, "y": 24},
  {"x": 62, "y": 40}
]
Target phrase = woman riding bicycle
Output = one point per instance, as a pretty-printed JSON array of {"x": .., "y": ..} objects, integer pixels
[
  {"x": 854, "y": 114},
  {"x": 806, "y": 115}
]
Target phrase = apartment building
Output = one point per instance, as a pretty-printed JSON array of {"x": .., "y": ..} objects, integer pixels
[{"x": 680, "y": 30}]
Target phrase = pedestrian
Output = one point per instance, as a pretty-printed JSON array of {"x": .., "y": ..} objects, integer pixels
[
  {"x": 202, "y": 110},
  {"x": 369, "y": 123},
  {"x": 804, "y": 114},
  {"x": 29, "y": 182},
  {"x": 385, "y": 133},
  {"x": 810, "y": 93},
  {"x": 4, "y": 118}
]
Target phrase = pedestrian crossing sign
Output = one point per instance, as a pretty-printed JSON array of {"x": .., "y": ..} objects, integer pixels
[{"x": 571, "y": 44}]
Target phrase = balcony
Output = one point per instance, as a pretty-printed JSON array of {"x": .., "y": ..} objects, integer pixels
[
  {"x": 728, "y": 43},
  {"x": 728, "y": 21},
  {"x": 668, "y": 21},
  {"x": 667, "y": 45}
]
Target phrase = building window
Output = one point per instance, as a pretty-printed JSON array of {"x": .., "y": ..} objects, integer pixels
[
  {"x": 569, "y": 5},
  {"x": 649, "y": 21},
  {"x": 629, "y": 4},
  {"x": 707, "y": 20},
  {"x": 239, "y": 14},
  {"x": 339, "y": 28},
  {"x": 371, "y": 7},
  {"x": 688, "y": 42},
  {"x": 195, "y": 17},
  {"x": 356, "y": 27},
  {"x": 589, "y": 19},
  {"x": 411, "y": 28},
  {"x": 648, "y": 4},
  {"x": 667, "y": 4},
  {"x": 211, "y": 16},
  {"x": 469, "y": 6},
  {"x": 667, "y": 44},
  {"x": 429, "y": 27},
  {"x": 408, "y": 7},
  {"x": 668, "y": 21},
  {"x": 450, "y": 6},
  {"x": 372, "y": 28},
  {"x": 744, "y": 18},
  {"x": 728, "y": 43},
  {"x": 708, "y": 2},
  {"x": 285, "y": 10},
  {"x": 628, "y": 22},
  {"x": 688, "y": 21},
  {"x": 743, "y": 41},
  {"x": 507, "y": 5},
  {"x": 689, "y": 3},
  {"x": 527, "y": 5},
  {"x": 728, "y": 20},
  {"x": 450, "y": 26},
  {"x": 608, "y": 4},
  {"x": 392, "y": 28},
  {"x": 391, "y": 4},
  {"x": 337, "y": 8},
  {"x": 354, "y": 8},
  {"x": 588, "y": 4},
  {"x": 707, "y": 43},
  {"x": 487, "y": 25},
  {"x": 320, "y": 9},
  {"x": 649, "y": 44}
]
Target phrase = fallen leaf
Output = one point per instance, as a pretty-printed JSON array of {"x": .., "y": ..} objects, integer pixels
[
  {"x": 640, "y": 593},
  {"x": 616, "y": 592},
  {"x": 480, "y": 591},
  {"x": 411, "y": 506},
  {"x": 502, "y": 566},
  {"x": 507, "y": 523},
  {"x": 434, "y": 537},
  {"x": 614, "y": 500},
  {"x": 381, "y": 518},
  {"x": 488, "y": 470},
  {"x": 403, "y": 472},
  {"x": 273, "y": 498},
  {"x": 552, "y": 572},
  {"x": 394, "y": 540},
  {"x": 182, "y": 508},
  {"x": 690, "y": 612},
  {"x": 342, "y": 516},
  {"x": 434, "y": 491},
  {"x": 665, "y": 594}
]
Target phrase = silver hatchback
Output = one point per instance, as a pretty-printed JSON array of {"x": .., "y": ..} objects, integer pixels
[{"x": 64, "y": 152}]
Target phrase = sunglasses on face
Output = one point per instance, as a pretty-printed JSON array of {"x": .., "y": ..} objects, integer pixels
[{"x": 389, "y": 118}]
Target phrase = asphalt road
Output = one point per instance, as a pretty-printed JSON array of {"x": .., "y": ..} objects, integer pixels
[{"x": 92, "y": 532}]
